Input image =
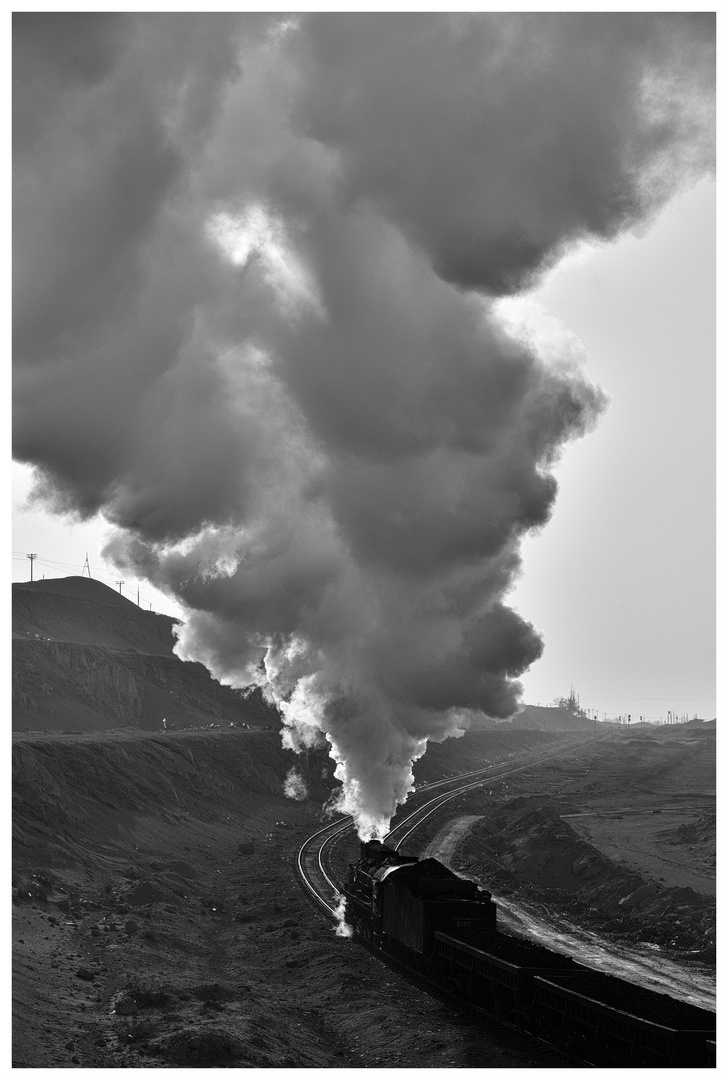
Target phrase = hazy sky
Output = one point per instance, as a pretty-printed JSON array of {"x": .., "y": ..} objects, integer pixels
[
  {"x": 270, "y": 322},
  {"x": 622, "y": 579}
]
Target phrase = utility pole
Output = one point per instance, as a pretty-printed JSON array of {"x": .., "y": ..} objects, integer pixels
[
  {"x": 120, "y": 583},
  {"x": 137, "y": 595},
  {"x": 32, "y": 558},
  {"x": 86, "y": 567}
]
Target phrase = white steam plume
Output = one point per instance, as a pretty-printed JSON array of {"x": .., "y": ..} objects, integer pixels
[
  {"x": 342, "y": 928},
  {"x": 294, "y": 786},
  {"x": 255, "y": 326}
]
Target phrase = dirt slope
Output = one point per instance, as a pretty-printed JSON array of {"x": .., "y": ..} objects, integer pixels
[
  {"x": 87, "y": 659},
  {"x": 157, "y": 921},
  {"x": 622, "y": 841},
  {"x": 550, "y": 718},
  {"x": 79, "y": 609}
]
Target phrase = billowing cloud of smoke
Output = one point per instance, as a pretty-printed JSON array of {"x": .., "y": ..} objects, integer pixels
[
  {"x": 294, "y": 786},
  {"x": 255, "y": 271}
]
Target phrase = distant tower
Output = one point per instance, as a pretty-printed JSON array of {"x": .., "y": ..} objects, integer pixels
[{"x": 86, "y": 567}]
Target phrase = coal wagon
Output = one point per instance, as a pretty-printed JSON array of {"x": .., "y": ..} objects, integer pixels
[{"x": 421, "y": 913}]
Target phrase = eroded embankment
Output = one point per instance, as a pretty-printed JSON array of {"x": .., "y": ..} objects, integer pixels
[
  {"x": 157, "y": 921},
  {"x": 70, "y": 792},
  {"x": 523, "y": 847},
  {"x": 490, "y": 746}
]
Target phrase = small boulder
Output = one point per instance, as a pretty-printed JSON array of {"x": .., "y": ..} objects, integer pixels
[{"x": 125, "y": 1005}]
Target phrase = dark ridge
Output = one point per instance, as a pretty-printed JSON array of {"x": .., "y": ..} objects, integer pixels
[{"x": 87, "y": 659}]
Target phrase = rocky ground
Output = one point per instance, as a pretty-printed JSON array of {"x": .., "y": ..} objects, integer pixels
[
  {"x": 622, "y": 843},
  {"x": 157, "y": 921}
]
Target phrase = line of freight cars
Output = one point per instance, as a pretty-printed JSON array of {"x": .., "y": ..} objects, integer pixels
[{"x": 421, "y": 913}]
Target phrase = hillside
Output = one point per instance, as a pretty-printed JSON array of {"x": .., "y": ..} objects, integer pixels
[
  {"x": 550, "y": 718},
  {"x": 157, "y": 922},
  {"x": 87, "y": 659}
]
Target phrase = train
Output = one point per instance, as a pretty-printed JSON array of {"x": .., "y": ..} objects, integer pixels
[{"x": 420, "y": 913}]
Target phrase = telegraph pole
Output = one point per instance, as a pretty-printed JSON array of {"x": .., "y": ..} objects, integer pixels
[
  {"x": 120, "y": 583},
  {"x": 86, "y": 567},
  {"x": 32, "y": 558}
]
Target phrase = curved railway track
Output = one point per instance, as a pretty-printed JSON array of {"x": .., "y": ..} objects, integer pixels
[
  {"x": 319, "y": 881},
  {"x": 311, "y": 860}
]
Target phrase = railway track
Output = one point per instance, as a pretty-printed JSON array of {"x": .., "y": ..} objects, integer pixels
[
  {"x": 572, "y": 1018},
  {"x": 312, "y": 864},
  {"x": 317, "y": 883}
]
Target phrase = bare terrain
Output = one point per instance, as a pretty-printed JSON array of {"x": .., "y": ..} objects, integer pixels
[
  {"x": 157, "y": 921},
  {"x": 621, "y": 839}
]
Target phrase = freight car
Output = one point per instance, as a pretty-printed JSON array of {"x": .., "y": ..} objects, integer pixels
[{"x": 419, "y": 912}]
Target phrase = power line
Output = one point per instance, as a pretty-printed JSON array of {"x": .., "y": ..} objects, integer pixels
[
  {"x": 640, "y": 697},
  {"x": 98, "y": 575}
]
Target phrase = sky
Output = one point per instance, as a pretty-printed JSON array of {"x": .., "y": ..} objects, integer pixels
[
  {"x": 622, "y": 579},
  {"x": 380, "y": 347}
]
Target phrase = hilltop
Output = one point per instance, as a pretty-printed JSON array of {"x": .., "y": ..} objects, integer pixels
[
  {"x": 550, "y": 718},
  {"x": 87, "y": 659}
]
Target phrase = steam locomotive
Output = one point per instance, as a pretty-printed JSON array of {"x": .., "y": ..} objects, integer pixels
[{"x": 421, "y": 913}]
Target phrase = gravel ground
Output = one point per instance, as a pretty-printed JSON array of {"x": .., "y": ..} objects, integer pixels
[{"x": 143, "y": 937}]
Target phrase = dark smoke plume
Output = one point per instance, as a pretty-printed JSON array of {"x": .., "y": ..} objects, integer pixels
[{"x": 256, "y": 261}]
